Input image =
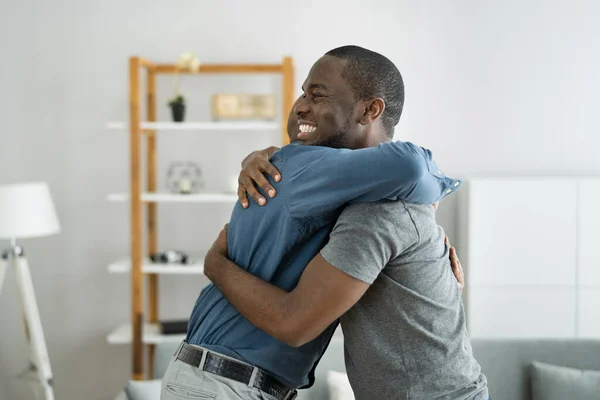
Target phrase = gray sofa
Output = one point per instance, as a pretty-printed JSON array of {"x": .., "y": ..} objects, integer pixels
[{"x": 506, "y": 363}]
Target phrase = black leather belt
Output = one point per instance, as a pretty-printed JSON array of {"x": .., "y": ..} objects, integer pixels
[{"x": 246, "y": 374}]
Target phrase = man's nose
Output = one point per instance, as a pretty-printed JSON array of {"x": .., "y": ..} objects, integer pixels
[{"x": 301, "y": 108}]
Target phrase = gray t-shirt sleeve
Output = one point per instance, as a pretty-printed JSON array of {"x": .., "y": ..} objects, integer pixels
[{"x": 366, "y": 237}]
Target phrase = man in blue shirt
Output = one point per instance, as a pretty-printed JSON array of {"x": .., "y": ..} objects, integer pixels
[
  {"x": 383, "y": 272},
  {"x": 321, "y": 175}
]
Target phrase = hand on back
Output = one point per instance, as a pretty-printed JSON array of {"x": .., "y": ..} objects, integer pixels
[
  {"x": 252, "y": 177},
  {"x": 456, "y": 266}
]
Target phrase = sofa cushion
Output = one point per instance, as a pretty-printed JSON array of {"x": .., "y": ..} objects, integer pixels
[
  {"x": 507, "y": 363},
  {"x": 552, "y": 382}
]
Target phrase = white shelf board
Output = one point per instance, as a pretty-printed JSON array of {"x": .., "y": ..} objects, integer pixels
[
  {"x": 150, "y": 335},
  {"x": 177, "y": 198},
  {"x": 123, "y": 266},
  {"x": 201, "y": 126}
]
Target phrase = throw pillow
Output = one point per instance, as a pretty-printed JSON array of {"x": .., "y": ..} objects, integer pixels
[
  {"x": 552, "y": 382},
  {"x": 339, "y": 386},
  {"x": 143, "y": 390}
]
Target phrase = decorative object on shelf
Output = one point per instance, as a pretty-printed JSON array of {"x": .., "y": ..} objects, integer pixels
[
  {"x": 170, "y": 257},
  {"x": 243, "y": 106},
  {"x": 188, "y": 62},
  {"x": 177, "y": 104},
  {"x": 184, "y": 177},
  {"x": 26, "y": 211}
]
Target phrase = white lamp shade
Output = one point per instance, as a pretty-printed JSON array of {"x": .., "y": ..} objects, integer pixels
[{"x": 27, "y": 210}]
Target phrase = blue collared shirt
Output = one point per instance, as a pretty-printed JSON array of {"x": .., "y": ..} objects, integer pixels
[{"x": 277, "y": 241}]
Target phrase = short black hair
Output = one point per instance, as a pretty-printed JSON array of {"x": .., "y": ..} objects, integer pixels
[{"x": 372, "y": 75}]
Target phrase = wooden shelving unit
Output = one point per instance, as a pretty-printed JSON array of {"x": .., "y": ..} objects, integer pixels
[{"x": 143, "y": 329}]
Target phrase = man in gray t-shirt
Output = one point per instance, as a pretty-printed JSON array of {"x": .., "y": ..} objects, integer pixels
[
  {"x": 385, "y": 272},
  {"x": 406, "y": 337}
]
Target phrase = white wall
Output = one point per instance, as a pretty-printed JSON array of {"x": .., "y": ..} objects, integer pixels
[{"x": 492, "y": 88}]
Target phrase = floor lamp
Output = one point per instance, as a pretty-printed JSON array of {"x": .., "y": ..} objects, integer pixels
[{"x": 26, "y": 210}]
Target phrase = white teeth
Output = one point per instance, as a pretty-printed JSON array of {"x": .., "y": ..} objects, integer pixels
[{"x": 307, "y": 128}]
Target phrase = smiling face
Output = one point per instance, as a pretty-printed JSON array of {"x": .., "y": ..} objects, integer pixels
[{"x": 327, "y": 113}]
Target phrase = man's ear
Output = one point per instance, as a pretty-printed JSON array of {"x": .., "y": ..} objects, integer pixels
[{"x": 373, "y": 110}]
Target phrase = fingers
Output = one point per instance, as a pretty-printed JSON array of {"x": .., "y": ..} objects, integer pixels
[
  {"x": 272, "y": 171},
  {"x": 241, "y": 192},
  {"x": 259, "y": 179},
  {"x": 252, "y": 177},
  {"x": 247, "y": 185},
  {"x": 269, "y": 168},
  {"x": 262, "y": 181},
  {"x": 454, "y": 261},
  {"x": 457, "y": 268},
  {"x": 453, "y": 256}
]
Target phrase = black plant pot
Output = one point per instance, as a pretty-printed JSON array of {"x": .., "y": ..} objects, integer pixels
[{"x": 178, "y": 112}]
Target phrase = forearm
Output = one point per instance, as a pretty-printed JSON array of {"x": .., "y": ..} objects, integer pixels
[
  {"x": 395, "y": 170},
  {"x": 390, "y": 170},
  {"x": 263, "y": 304},
  {"x": 398, "y": 170},
  {"x": 413, "y": 179}
]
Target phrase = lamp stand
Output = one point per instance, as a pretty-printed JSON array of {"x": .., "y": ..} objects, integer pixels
[{"x": 38, "y": 352}]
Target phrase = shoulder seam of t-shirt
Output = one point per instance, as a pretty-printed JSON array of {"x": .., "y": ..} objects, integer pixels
[{"x": 412, "y": 220}]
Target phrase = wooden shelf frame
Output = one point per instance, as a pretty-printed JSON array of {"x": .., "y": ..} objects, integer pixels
[{"x": 136, "y": 66}]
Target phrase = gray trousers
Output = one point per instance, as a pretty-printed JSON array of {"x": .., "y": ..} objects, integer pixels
[{"x": 184, "y": 382}]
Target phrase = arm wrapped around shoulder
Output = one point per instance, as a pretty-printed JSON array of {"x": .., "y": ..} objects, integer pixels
[{"x": 323, "y": 179}]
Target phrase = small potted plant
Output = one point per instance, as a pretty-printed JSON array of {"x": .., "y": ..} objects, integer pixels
[
  {"x": 177, "y": 104},
  {"x": 187, "y": 62}
]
